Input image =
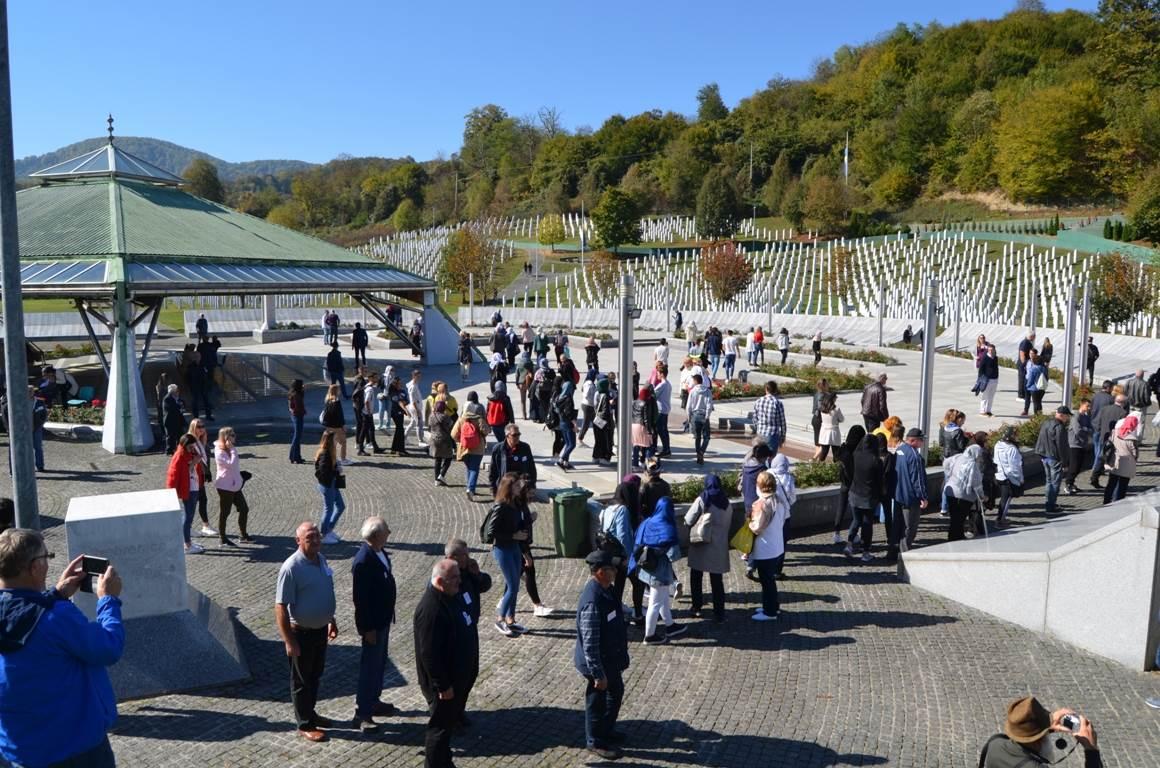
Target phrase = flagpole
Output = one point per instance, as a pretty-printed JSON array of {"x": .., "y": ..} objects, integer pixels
[{"x": 846, "y": 159}]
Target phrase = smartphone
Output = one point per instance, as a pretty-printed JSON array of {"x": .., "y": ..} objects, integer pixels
[
  {"x": 92, "y": 566},
  {"x": 1071, "y": 722}
]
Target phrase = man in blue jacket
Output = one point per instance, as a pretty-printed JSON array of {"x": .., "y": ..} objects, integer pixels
[
  {"x": 373, "y": 580},
  {"x": 56, "y": 700},
  {"x": 601, "y": 654},
  {"x": 910, "y": 489}
]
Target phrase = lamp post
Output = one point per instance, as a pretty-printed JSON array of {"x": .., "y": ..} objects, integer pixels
[
  {"x": 926, "y": 388},
  {"x": 628, "y": 315},
  {"x": 1069, "y": 349}
]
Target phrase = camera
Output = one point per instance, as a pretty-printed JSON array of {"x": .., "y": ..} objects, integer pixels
[
  {"x": 92, "y": 566},
  {"x": 1071, "y": 722}
]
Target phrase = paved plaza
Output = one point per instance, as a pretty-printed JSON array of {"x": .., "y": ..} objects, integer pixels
[{"x": 861, "y": 669}]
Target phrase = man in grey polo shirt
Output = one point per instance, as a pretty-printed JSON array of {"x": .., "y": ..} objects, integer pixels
[{"x": 304, "y": 610}]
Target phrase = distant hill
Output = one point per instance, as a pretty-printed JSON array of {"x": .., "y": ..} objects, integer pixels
[{"x": 171, "y": 157}]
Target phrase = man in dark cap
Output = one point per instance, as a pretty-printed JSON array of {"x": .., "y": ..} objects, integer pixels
[
  {"x": 1026, "y": 739},
  {"x": 601, "y": 654}
]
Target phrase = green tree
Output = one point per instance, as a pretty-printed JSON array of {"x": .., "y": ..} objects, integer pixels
[
  {"x": 1128, "y": 45},
  {"x": 288, "y": 214},
  {"x": 710, "y": 105},
  {"x": 616, "y": 220},
  {"x": 716, "y": 206},
  {"x": 551, "y": 231},
  {"x": 468, "y": 256},
  {"x": 1044, "y": 158},
  {"x": 826, "y": 204},
  {"x": 793, "y": 205},
  {"x": 1144, "y": 208},
  {"x": 203, "y": 180},
  {"x": 1108, "y": 231},
  {"x": 778, "y": 182},
  {"x": 407, "y": 216},
  {"x": 1119, "y": 293}
]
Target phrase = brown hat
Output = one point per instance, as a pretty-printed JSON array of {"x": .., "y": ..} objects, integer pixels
[{"x": 1028, "y": 721}]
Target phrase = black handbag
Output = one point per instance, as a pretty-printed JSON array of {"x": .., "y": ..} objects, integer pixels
[
  {"x": 647, "y": 558},
  {"x": 340, "y": 481}
]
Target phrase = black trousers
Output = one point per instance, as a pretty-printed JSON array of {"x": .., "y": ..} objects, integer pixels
[
  {"x": 399, "y": 440},
  {"x": 203, "y": 504},
  {"x": 871, "y": 423},
  {"x": 716, "y": 584},
  {"x": 360, "y": 353},
  {"x": 305, "y": 672},
  {"x": 442, "y": 718},
  {"x": 959, "y": 510},
  {"x": 601, "y": 708},
  {"x": 1076, "y": 463},
  {"x": 366, "y": 423},
  {"x": 227, "y": 500}
]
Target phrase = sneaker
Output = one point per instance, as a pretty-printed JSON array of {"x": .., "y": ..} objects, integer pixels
[
  {"x": 367, "y": 726},
  {"x": 503, "y": 628},
  {"x": 519, "y": 629},
  {"x": 345, "y": 462},
  {"x": 208, "y": 531},
  {"x": 762, "y": 616},
  {"x": 1153, "y": 702},
  {"x": 675, "y": 630},
  {"x": 606, "y": 753},
  {"x": 440, "y": 481},
  {"x": 849, "y": 551},
  {"x": 331, "y": 538},
  {"x": 657, "y": 639},
  {"x": 838, "y": 538},
  {"x": 542, "y": 610},
  {"x": 194, "y": 549},
  {"x": 751, "y": 574},
  {"x": 677, "y": 590},
  {"x": 867, "y": 557}
]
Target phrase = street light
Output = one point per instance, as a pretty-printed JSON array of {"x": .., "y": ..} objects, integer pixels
[{"x": 629, "y": 313}]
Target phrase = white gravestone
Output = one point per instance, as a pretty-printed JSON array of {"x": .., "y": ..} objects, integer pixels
[{"x": 140, "y": 535}]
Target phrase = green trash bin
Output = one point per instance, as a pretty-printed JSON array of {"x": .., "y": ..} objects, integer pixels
[{"x": 571, "y": 522}]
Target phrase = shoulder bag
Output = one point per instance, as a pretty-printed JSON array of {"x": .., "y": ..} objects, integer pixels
[{"x": 702, "y": 530}]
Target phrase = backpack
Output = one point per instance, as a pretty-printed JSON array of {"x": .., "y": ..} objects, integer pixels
[
  {"x": 606, "y": 542},
  {"x": 487, "y": 528},
  {"x": 552, "y": 419},
  {"x": 495, "y": 413},
  {"x": 469, "y": 435}
]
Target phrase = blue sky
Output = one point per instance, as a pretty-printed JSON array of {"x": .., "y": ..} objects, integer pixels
[{"x": 252, "y": 79}]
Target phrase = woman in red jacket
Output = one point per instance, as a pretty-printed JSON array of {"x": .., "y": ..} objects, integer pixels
[{"x": 186, "y": 475}]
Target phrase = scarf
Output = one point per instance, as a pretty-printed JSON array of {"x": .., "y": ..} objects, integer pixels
[
  {"x": 1127, "y": 426},
  {"x": 714, "y": 495}
]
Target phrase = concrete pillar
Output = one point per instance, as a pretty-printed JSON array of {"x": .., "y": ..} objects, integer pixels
[
  {"x": 269, "y": 313},
  {"x": 127, "y": 428}
]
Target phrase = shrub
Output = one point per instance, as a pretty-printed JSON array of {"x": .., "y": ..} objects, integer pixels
[
  {"x": 861, "y": 355},
  {"x": 83, "y": 415},
  {"x": 809, "y": 375},
  {"x": 735, "y": 390}
]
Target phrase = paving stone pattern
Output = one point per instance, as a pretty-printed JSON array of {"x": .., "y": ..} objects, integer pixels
[{"x": 860, "y": 670}]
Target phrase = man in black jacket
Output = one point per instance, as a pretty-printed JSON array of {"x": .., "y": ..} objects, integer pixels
[
  {"x": 442, "y": 647},
  {"x": 601, "y": 654},
  {"x": 374, "y": 612},
  {"x": 1101, "y": 425},
  {"x": 1093, "y": 354},
  {"x": 358, "y": 342},
  {"x": 512, "y": 455},
  {"x": 472, "y": 583}
]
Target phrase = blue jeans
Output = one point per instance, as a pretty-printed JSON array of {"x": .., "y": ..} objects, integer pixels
[
  {"x": 332, "y": 507},
  {"x": 640, "y": 454},
  {"x": 730, "y": 364},
  {"x": 601, "y": 708},
  {"x": 372, "y": 661},
  {"x": 774, "y": 442},
  {"x": 714, "y": 364},
  {"x": 100, "y": 756},
  {"x": 1052, "y": 474},
  {"x": 663, "y": 431},
  {"x": 296, "y": 438},
  {"x": 568, "y": 435},
  {"x": 190, "y": 507},
  {"x": 1097, "y": 449},
  {"x": 510, "y": 559},
  {"x": 38, "y": 447},
  {"x": 472, "y": 462},
  {"x": 700, "y": 436}
]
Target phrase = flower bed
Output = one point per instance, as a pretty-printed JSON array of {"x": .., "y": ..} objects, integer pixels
[
  {"x": 809, "y": 375},
  {"x": 861, "y": 355},
  {"x": 79, "y": 415}
]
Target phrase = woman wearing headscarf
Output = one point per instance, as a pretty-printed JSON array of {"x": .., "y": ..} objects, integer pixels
[
  {"x": 786, "y": 494},
  {"x": 618, "y": 523},
  {"x": 566, "y": 412},
  {"x": 524, "y": 378},
  {"x": 644, "y": 419},
  {"x": 655, "y": 536},
  {"x": 1121, "y": 465},
  {"x": 865, "y": 493},
  {"x": 603, "y": 414},
  {"x": 766, "y": 519},
  {"x": 1008, "y": 473},
  {"x": 711, "y": 513},
  {"x": 963, "y": 487},
  {"x": 439, "y": 425},
  {"x": 845, "y": 458},
  {"x": 497, "y": 369},
  {"x": 587, "y": 403}
]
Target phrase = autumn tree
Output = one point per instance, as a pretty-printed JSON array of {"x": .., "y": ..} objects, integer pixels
[
  {"x": 203, "y": 180},
  {"x": 716, "y": 206},
  {"x": 468, "y": 254},
  {"x": 603, "y": 271},
  {"x": 1118, "y": 293},
  {"x": 551, "y": 231},
  {"x": 726, "y": 270},
  {"x": 838, "y": 276},
  {"x": 616, "y": 220},
  {"x": 1144, "y": 208},
  {"x": 826, "y": 204},
  {"x": 407, "y": 216}
]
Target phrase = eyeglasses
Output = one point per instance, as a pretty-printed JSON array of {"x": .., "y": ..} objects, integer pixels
[{"x": 46, "y": 556}]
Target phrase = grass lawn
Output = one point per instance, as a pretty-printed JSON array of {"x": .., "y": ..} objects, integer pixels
[{"x": 171, "y": 318}]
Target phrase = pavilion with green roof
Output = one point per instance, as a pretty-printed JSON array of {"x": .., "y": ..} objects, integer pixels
[{"x": 117, "y": 235}]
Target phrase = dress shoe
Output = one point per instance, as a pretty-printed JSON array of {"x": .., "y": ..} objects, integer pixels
[
  {"x": 607, "y": 753},
  {"x": 313, "y": 734},
  {"x": 383, "y": 709}
]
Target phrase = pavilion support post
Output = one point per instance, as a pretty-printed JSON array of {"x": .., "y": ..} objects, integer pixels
[
  {"x": 440, "y": 334},
  {"x": 84, "y": 310},
  {"x": 269, "y": 313},
  {"x": 156, "y": 307},
  {"x": 127, "y": 428}
]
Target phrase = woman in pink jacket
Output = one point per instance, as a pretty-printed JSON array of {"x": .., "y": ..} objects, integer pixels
[{"x": 228, "y": 481}]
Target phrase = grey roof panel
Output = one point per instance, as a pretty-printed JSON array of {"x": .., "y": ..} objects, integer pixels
[{"x": 108, "y": 160}]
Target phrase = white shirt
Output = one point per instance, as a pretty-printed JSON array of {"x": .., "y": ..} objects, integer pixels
[
  {"x": 749, "y": 339},
  {"x": 661, "y": 353},
  {"x": 730, "y": 344},
  {"x": 413, "y": 394}
]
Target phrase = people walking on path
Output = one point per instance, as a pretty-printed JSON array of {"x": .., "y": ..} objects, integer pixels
[
  {"x": 186, "y": 475},
  {"x": 374, "y": 595},
  {"x": 1035, "y": 384},
  {"x": 331, "y": 480},
  {"x": 910, "y": 488},
  {"x": 963, "y": 486},
  {"x": 816, "y": 347},
  {"x": 1008, "y": 473},
  {"x": 1103, "y": 423},
  {"x": 1023, "y": 359},
  {"x": 700, "y": 409},
  {"x": 415, "y": 419},
  {"x": 988, "y": 381},
  {"x": 603, "y": 422},
  {"x": 358, "y": 343},
  {"x": 304, "y": 611},
  {"x": 442, "y": 445},
  {"x": 766, "y": 520},
  {"x": 198, "y": 429},
  {"x": 1052, "y": 448},
  {"x": 1093, "y": 354},
  {"x": 465, "y": 351},
  {"x": 769, "y": 417},
  {"x": 875, "y": 409},
  {"x": 471, "y": 441},
  {"x": 656, "y": 535},
  {"x": 296, "y": 403},
  {"x": 511, "y": 455},
  {"x": 174, "y": 422},
  {"x": 854, "y": 437},
  {"x": 1139, "y": 394},
  {"x": 644, "y": 414},
  {"x": 1121, "y": 465},
  {"x": 865, "y": 494},
  {"x": 229, "y": 480},
  {"x": 1079, "y": 440},
  {"x": 783, "y": 344},
  {"x": 729, "y": 346},
  {"x": 335, "y": 369},
  {"x": 334, "y": 421},
  {"x": 830, "y": 420}
]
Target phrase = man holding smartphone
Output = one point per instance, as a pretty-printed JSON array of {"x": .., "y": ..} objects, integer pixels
[{"x": 53, "y": 660}]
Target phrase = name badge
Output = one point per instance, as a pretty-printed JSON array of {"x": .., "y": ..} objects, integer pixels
[
  {"x": 467, "y": 597},
  {"x": 466, "y": 618},
  {"x": 611, "y": 616}
]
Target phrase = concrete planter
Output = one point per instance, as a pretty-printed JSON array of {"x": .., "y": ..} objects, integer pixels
[
  {"x": 274, "y": 335},
  {"x": 67, "y": 431}
]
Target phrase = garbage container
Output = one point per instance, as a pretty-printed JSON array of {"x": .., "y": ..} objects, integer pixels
[{"x": 571, "y": 522}]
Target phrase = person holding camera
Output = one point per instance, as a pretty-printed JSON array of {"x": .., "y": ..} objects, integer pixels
[
  {"x": 1026, "y": 739},
  {"x": 57, "y": 702}
]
